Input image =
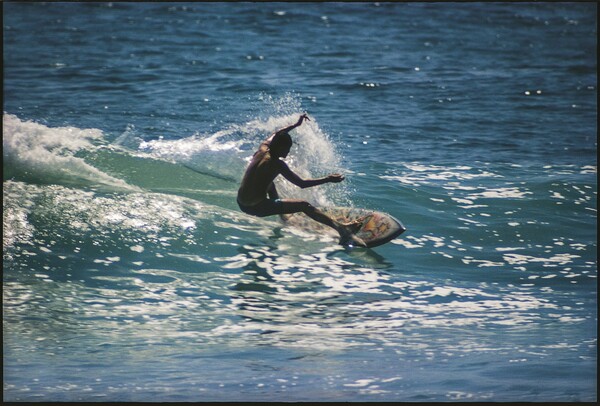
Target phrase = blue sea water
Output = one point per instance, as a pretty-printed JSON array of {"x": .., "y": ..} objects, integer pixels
[{"x": 130, "y": 274}]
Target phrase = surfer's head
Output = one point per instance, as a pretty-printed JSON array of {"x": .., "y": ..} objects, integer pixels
[{"x": 280, "y": 145}]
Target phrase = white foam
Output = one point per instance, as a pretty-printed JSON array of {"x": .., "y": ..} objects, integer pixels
[
  {"x": 500, "y": 193},
  {"x": 560, "y": 259},
  {"x": 47, "y": 152},
  {"x": 427, "y": 174},
  {"x": 589, "y": 169}
]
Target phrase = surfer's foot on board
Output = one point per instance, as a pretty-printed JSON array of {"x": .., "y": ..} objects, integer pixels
[{"x": 347, "y": 236}]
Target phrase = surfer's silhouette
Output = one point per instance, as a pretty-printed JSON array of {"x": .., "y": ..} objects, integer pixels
[{"x": 258, "y": 196}]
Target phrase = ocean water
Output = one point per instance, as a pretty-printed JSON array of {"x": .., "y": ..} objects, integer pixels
[{"x": 130, "y": 274}]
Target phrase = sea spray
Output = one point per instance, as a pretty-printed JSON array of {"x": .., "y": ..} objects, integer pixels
[{"x": 226, "y": 153}]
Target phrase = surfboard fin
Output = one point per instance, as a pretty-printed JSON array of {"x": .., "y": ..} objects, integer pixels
[
  {"x": 348, "y": 236},
  {"x": 352, "y": 240}
]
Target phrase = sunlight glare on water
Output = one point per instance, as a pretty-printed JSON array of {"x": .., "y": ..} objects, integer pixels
[{"x": 130, "y": 273}]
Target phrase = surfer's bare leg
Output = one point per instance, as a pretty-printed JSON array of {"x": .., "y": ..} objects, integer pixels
[{"x": 346, "y": 231}]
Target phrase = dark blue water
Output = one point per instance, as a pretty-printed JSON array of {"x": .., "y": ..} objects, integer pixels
[{"x": 131, "y": 275}]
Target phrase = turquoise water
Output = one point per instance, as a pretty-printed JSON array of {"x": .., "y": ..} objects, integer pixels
[{"x": 130, "y": 274}]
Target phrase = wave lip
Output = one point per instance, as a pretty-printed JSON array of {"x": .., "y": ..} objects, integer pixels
[{"x": 36, "y": 153}]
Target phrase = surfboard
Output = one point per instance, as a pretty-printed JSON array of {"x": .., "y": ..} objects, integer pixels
[{"x": 377, "y": 227}]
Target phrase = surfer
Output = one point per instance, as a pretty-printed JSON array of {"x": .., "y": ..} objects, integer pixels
[{"x": 258, "y": 196}]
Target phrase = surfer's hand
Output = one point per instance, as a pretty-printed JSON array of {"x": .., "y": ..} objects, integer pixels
[
  {"x": 335, "y": 178},
  {"x": 304, "y": 117}
]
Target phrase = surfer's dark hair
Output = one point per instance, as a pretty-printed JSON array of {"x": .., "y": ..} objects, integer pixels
[{"x": 280, "y": 142}]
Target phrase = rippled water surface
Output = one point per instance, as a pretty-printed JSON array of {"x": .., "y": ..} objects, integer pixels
[{"x": 130, "y": 274}]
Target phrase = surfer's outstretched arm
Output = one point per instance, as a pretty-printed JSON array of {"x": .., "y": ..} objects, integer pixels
[
  {"x": 305, "y": 183},
  {"x": 291, "y": 127}
]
